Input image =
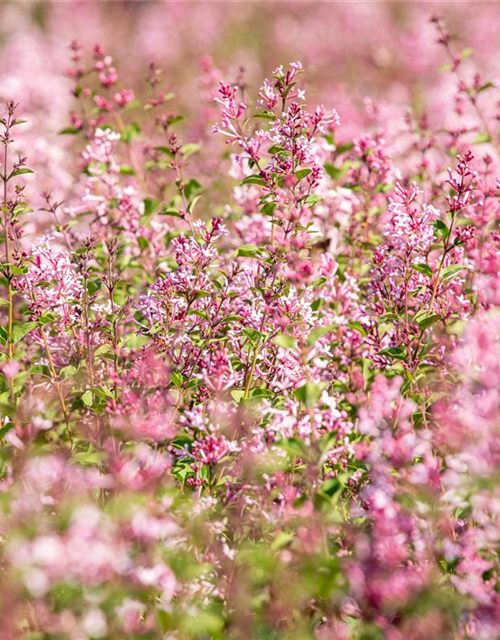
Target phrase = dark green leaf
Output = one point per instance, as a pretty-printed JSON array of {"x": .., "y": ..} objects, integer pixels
[{"x": 393, "y": 352}]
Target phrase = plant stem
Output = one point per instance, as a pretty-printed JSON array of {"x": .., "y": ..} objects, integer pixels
[
  {"x": 56, "y": 383},
  {"x": 8, "y": 273}
]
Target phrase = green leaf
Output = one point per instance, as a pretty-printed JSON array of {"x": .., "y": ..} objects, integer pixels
[
  {"x": 69, "y": 131},
  {"x": 87, "y": 398},
  {"x": 5, "y": 430},
  {"x": 247, "y": 251},
  {"x": 426, "y": 322},
  {"x": 46, "y": 318},
  {"x": 88, "y": 458},
  {"x": 174, "y": 119},
  {"x": 232, "y": 318},
  {"x": 281, "y": 540},
  {"x": 444, "y": 67},
  {"x": 318, "y": 282},
  {"x": 237, "y": 395},
  {"x": 170, "y": 211},
  {"x": 269, "y": 208},
  {"x": 67, "y": 372},
  {"x": 440, "y": 229},
  {"x": 342, "y": 148},
  {"x": 266, "y": 115},
  {"x": 150, "y": 206},
  {"x": 288, "y": 89},
  {"x": 485, "y": 86},
  {"x": 255, "y": 179},
  {"x": 481, "y": 138},
  {"x": 311, "y": 200},
  {"x": 452, "y": 270},
  {"x": 40, "y": 369},
  {"x": 131, "y": 131},
  {"x": 332, "y": 486},
  {"x": 302, "y": 173},
  {"x": 17, "y": 271},
  {"x": 261, "y": 392},
  {"x": 163, "y": 150},
  {"x": 293, "y": 446},
  {"x": 193, "y": 203},
  {"x": 21, "y": 330},
  {"x": 384, "y": 188},
  {"x": 126, "y": 170},
  {"x": 316, "y": 334},
  {"x": 393, "y": 352},
  {"x": 192, "y": 188},
  {"x": 309, "y": 393},
  {"x": 276, "y": 148},
  {"x": 332, "y": 171},
  {"x": 102, "y": 349},
  {"x": 102, "y": 392},
  {"x": 285, "y": 341},
  {"x": 177, "y": 378},
  {"x": 253, "y": 335},
  {"x": 143, "y": 242},
  {"x": 199, "y": 313},
  {"x": 357, "y": 326},
  {"x": 201, "y": 293},
  {"x": 21, "y": 171},
  {"x": 189, "y": 149},
  {"x": 423, "y": 268}
]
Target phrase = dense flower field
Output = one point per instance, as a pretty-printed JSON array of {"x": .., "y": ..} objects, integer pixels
[{"x": 249, "y": 323}]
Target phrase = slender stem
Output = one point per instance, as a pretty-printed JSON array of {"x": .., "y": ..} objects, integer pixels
[
  {"x": 111, "y": 288},
  {"x": 9, "y": 333},
  {"x": 436, "y": 281},
  {"x": 6, "y": 213},
  {"x": 7, "y": 259},
  {"x": 257, "y": 347},
  {"x": 56, "y": 382},
  {"x": 472, "y": 97},
  {"x": 133, "y": 158},
  {"x": 251, "y": 372},
  {"x": 180, "y": 186},
  {"x": 54, "y": 376},
  {"x": 90, "y": 364}
]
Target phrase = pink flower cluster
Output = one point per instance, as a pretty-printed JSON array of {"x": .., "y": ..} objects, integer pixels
[{"x": 250, "y": 358}]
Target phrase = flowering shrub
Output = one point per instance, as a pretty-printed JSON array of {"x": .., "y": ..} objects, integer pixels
[{"x": 250, "y": 376}]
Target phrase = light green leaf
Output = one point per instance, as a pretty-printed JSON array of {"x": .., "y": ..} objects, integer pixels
[
  {"x": 87, "y": 398},
  {"x": 309, "y": 394},
  {"x": 21, "y": 330},
  {"x": 285, "y": 341},
  {"x": 189, "y": 149}
]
